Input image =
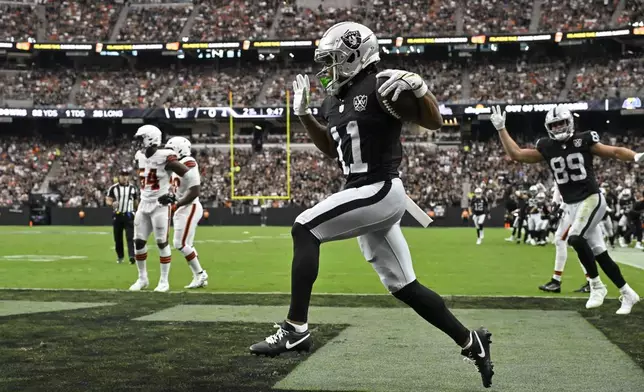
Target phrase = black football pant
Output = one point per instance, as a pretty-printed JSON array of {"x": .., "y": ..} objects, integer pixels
[{"x": 120, "y": 223}]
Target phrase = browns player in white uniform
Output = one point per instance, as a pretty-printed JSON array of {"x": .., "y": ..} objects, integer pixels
[
  {"x": 188, "y": 209},
  {"x": 155, "y": 166}
]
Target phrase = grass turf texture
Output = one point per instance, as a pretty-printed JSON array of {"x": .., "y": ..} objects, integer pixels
[
  {"x": 109, "y": 347},
  {"x": 257, "y": 259}
]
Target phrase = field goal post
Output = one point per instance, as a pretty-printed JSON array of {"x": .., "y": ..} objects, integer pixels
[{"x": 232, "y": 155}]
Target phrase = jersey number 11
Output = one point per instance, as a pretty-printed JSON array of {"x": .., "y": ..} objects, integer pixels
[{"x": 353, "y": 133}]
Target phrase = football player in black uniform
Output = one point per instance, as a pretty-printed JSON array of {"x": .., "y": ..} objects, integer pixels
[
  {"x": 629, "y": 220},
  {"x": 570, "y": 158},
  {"x": 365, "y": 140},
  {"x": 479, "y": 210}
]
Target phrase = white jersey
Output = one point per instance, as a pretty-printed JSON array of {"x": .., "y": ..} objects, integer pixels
[
  {"x": 154, "y": 178},
  {"x": 181, "y": 188}
]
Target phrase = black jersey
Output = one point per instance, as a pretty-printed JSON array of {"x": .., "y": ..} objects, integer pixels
[
  {"x": 611, "y": 202},
  {"x": 367, "y": 139},
  {"x": 626, "y": 205},
  {"x": 571, "y": 163},
  {"x": 523, "y": 206},
  {"x": 479, "y": 205}
]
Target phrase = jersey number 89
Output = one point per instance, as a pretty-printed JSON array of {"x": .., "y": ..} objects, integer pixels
[{"x": 570, "y": 169}]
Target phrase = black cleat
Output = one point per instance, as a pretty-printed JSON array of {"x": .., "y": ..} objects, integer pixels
[
  {"x": 479, "y": 353},
  {"x": 284, "y": 340},
  {"x": 584, "y": 289},
  {"x": 132, "y": 260},
  {"x": 554, "y": 286}
]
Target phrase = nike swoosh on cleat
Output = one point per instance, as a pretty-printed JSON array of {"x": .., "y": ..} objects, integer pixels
[
  {"x": 482, "y": 354},
  {"x": 290, "y": 346}
]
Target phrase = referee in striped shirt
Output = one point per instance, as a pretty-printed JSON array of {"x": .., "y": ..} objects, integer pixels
[{"x": 123, "y": 198}]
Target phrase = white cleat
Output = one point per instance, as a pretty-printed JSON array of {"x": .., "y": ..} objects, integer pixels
[
  {"x": 201, "y": 280},
  {"x": 532, "y": 242},
  {"x": 510, "y": 239},
  {"x": 479, "y": 241},
  {"x": 139, "y": 285},
  {"x": 628, "y": 299},
  {"x": 622, "y": 243},
  {"x": 162, "y": 287},
  {"x": 597, "y": 294},
  {"x": 638, "y": 245}
]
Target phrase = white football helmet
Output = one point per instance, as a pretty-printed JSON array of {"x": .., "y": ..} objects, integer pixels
[
  {"x": 559, "y": 123},
  {"x": 345, "y": 49},
  {"x": 534, "y": 190},
  {"x": 478, "y": 192},
  {"x": 180, "y": 145},
  {"x": 150, "y": 135},
  {"x": 625, "y": 194},
  {"x": 541, "y": 197}
]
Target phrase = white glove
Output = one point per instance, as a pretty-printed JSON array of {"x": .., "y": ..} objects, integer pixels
[
  {"x": 301, "y": 95},
  {"x": 639, "y": 157},
  {"x": 498, "y": 119},
  {"x": 400, "y": 81}
]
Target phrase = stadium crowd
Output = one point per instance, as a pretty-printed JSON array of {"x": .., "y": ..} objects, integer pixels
[
  {"x": 153, "y": 20},
  {"x": 82, "y": 21},
  {"x": 86, "y": 168},
  {"x": 524, "y": 80}
]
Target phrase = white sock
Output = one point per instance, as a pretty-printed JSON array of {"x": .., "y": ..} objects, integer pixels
[
  {"x": 556, "y": 276},
  {"x": 469, "y": 342},
  {"x": 193, "y": 260},
  {"x": 624, "y": 289},
  {"x": 141, "y": 256},
  {"x": 561, "y": 255},
  {"x": 164, "y": 257},
  {"x": 482, "y": 234},
  {"x": 299, "y": 328},
  {"x": 596, "y": 281}
]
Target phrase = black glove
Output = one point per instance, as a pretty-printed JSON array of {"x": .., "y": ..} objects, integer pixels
[{"x": 168, "y": 198}]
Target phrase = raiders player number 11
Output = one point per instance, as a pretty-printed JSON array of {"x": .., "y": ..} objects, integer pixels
[{"x": 363, "y": 135}]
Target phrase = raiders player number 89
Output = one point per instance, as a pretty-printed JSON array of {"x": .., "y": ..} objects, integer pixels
[
  {"x": 364, "y": 110},
  {"x": 569, "y": 155}
]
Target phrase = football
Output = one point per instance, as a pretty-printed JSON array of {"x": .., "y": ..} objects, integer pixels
[{"x": 405, "y": 108}]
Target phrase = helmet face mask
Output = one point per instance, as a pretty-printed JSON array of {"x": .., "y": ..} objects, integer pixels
[
  {"x": 559, "y": 124},
  {"x": 344, "y": 50},
  {"x": 148, "y": 136},
  {"x": 478, "y": 192}
]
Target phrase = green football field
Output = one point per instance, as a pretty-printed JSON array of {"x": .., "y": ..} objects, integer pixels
[{"x": 80, "y": 331}]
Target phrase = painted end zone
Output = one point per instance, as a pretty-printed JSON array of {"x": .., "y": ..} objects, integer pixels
[
  {"x": 394, "y": 350},
  {"x": 8, "y": 308}
]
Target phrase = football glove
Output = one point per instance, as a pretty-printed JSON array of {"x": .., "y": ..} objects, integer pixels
[
  {"x": 168, "y": 198},
  {"x": 639, "y": 157},
  {"x": 301, "y": 95},
  {"x": 400, "y": 81},
  {"x": 497, "y": 118}
]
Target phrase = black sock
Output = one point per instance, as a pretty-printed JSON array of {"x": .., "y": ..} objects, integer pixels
[
  {"x": 478, "y": 233},
  {"x": 611, "y": 269},
  {"x": 431, "y": 307},
  {"x": 514, "y": 232},
  {"x": 585, "y": 254},
  {"x": 304, "y": 271}
]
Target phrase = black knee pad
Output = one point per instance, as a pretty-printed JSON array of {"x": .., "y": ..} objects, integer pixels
[
  {"x": 139, "y": 244},
  {"x": 302, "y": 234},
  {"x": 576, "y": 241}
]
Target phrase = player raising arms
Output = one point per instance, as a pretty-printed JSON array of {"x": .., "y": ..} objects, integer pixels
[
  {"x": 155, "y": 166},
  {"x": 365, "y": 139},
  {"x": 570, "y": 157},
  {"x": 188, "y": 209}
]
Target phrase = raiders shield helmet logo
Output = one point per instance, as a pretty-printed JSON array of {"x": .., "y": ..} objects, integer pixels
[
  {"x": 577, "y": 143},
  {"x": 352, "y": 39}
]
